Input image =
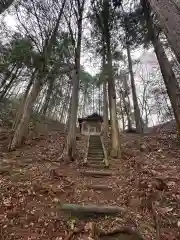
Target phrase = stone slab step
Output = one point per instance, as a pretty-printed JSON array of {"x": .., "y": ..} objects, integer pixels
[
  {"x": 98, "y": 187},
  {"x": 91, "y": 156},
  {"x": 97, "y": 174},
  {"x": 97, "y": 161},
  {"x": 96, "y": 152},
  {"x": 77, "y": 209},
  {"x": 96, "y": 158},
  {"x": 91, "y": 165},
  {"x": 94, "y": 140},
  {"x": 95, "y": 137},
  {"x": 96, "y": 149},
  {"x": 95, "y": 146}
]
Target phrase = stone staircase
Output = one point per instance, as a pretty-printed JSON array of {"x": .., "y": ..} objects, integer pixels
[
  {"x": 94, "y": 168},
  {"x": 95, "y": 155},
  {"x": 96, "y": 178}
]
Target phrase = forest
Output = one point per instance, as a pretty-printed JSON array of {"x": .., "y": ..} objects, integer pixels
[{"x": 60, "y": 62}]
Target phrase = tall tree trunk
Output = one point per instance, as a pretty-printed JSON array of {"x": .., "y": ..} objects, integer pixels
[
  {"x": 28, "y": 105},
  {"x": 99, "y": 100},
  {"x": 68, "y": 113},
  {"x": 105, "y": 109},
  {"x": 84, "y": 101},
  {"x": 105, "y": 97},
  {"x": 115, "y": 148},
  {"x": 9, "y": 84},
  {"x": 127, "y": 110},
  {"x": 171, "y": 83},
  {"x": 64, "y": 104},
  {"x": 137, "y": 114},
  {"x": 168, "y": 15},
  {"x": 51, "y": 82},
  {"x": 6, "y": 77},
  {"x": 20, "y": 112},
  {"x": 128, "y": 106},
  {"x": 93, "y": 99},
  {"x": 4, "y": 4},
  {"x": 71, "y": 139},
  {"x": 48, "y": 96},
  {"x": 39, "y": 102},
  {"x": 122, "y": 115},
  {"x": 27, "y": 110},
  {"x": 115, "y": 140},
  {"x": 63, "y": 120}
]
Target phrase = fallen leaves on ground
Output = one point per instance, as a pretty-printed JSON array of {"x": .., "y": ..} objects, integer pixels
[{"x": 145, "y": 181}]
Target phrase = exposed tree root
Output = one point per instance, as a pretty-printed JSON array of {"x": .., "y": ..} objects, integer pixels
[
  {"x": 74, "y": 232},
  {"x": 95, "y": 233},
  {"x": 126, "y": 230}
]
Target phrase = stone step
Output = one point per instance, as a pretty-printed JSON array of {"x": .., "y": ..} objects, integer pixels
[
  {"x": 98, "y": 187},
  {"x": 95, "y": 141},
  {"x": 100, "y": 147},
  {"x": 96, "y": 148},
  {"x": 95, "y": 145},
  {"x": 94, "y": 137},
  {"x": 99, "y": 161},
  {"x": 91, "y": 158},
  {"x": 99, "y": 156},
  {"x": 97, "y": 174},
  {"x": 79, "y": 210},
  {"x": 92, "y": 165},
  {"x": 95, "y": 152}
]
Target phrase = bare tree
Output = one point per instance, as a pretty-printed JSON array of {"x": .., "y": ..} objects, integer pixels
[
  {"x": 77, "y": 7},
  {"x": 167, "y": 12},
  {"x": 4, "y": 4},
  {"x": 47, "y": 42},
  {"x": 169, "y": 77}
]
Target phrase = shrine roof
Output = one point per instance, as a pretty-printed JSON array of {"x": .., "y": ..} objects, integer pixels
[{"x": 93, "y": 117}]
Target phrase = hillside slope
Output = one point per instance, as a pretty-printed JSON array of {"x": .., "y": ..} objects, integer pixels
[{"x": 145, "y": 183}]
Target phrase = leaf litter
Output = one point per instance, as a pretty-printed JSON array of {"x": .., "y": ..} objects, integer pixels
[{"x": 145, "y": 182}]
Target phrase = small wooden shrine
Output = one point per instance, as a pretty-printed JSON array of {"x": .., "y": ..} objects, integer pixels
[{"x": 91, "y": 125}]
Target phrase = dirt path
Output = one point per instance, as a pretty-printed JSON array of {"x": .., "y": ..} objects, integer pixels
[{"x": 145, "y": 182}]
